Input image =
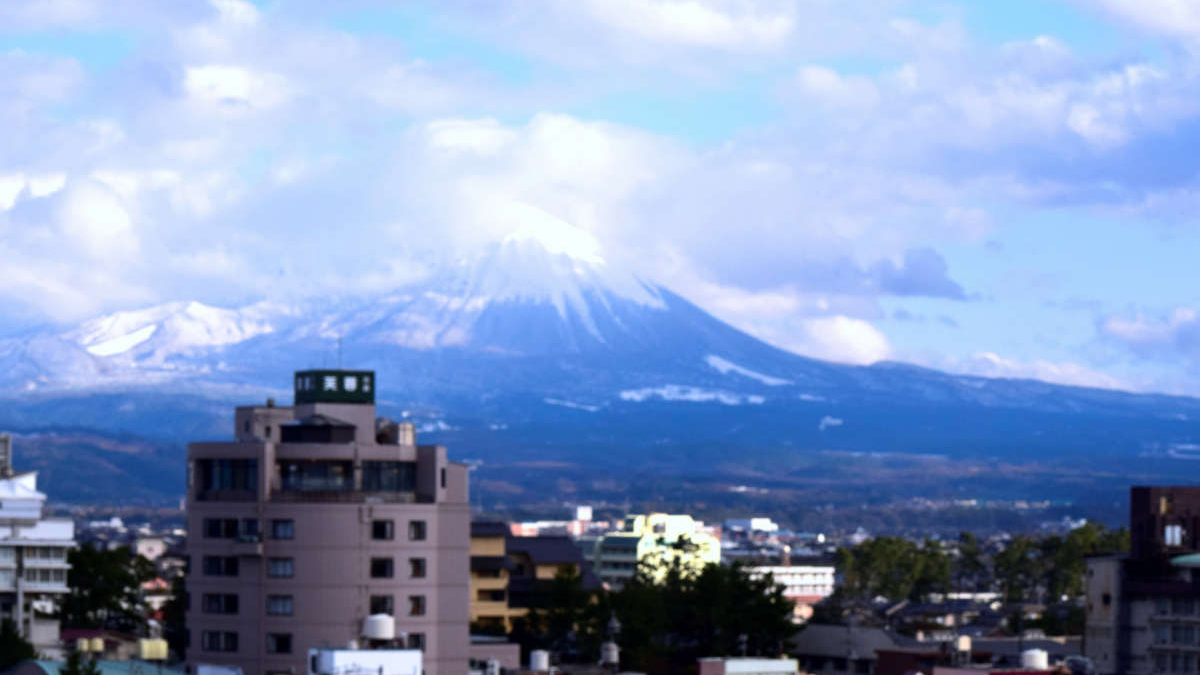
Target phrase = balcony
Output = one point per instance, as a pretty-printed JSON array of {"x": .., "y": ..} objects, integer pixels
[
  {"x": 246, "y": 545},
  {"x": 226, "y": 496},
  {"x": 347, "y": 497}
]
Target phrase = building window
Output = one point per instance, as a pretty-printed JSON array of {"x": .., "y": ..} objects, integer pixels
[
  {"x": 443, "y": 479},
  {"x": 280, "y": 568},
  {"x": 416, "y": 568},
  {"x": 416, "y": 530},
  {"x": 383, "y": 529},
  {"x": 416, "y": 641},
  {"x": 382, "y": 604},
  {"x": 485, "y": 595},
  {"x": 381, "y": 568},
  {"x": 220, "y": 566},
  {"x": 283, "y": 529},
  {"x": 416, "y": 605},
  {"x": 1173, "y": 535},
  {"x": 279, "y": 605},
  {"x": 279, "y": 643},
  {"x": 220, "y": 603},
  {"x": 389, "y": 476},
  {"x": 316, "y": 475},
  {"x": 220, "y": 528},
  {"x": 228, "y": 474},
  {"x": 1161, "y": 634},
  {"x": 1162, "y": 605},
  {"x": 219, "y": 641}
]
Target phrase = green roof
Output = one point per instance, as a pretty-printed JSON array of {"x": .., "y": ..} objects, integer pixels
[{"x": 111, "y": 668}]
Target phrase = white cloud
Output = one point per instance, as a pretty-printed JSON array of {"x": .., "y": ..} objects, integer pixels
[
  {"x": 722, "y": 25},
  {"x": 226, "y": 85},
  {"x": 989, "y": 364},
  {"x": 1178, "y": 18}
]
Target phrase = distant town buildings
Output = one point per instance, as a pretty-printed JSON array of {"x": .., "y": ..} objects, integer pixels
[
  {"x": 804, "y": 585},
  {"x": 316, "y": 517},
  {"x": 655, "y": 540},
  {"x": 33, "y": 557},
  {"x": 511, "y": 574},
  {"x": 1143, "y": 609}
]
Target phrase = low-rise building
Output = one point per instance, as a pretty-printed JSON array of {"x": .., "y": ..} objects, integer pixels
[
  {"x": 804, "y": 585},
  {"x": 655, "y": 541},
  {"x": 33, "y": 557}
]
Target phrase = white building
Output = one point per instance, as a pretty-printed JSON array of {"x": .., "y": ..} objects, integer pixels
[
  {"x": 804, "y": 585},
  {"x": 33, "y": 557}
]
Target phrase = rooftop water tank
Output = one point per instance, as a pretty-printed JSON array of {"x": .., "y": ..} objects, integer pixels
[
  {"x": 1035, "y": 659},
  {"x": 539, "y": 661},
  {"x": 379, "y": 627}
]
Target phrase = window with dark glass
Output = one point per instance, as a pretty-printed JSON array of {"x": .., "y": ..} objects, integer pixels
[
  {"x": 228, "y": 474},
  {"x": 383, "y": 529},
  {"x": 283, "y": 529},
  {"x": 443, "y": 478},
  {"x": 416, "y": 568},
  {"x": 220, "y": 566},
  {"x": 220, "y": 528},
  {"x": 381, "y": 568},
  {"x": 416, "y": 605},
  {"x": 382, "y": 604},
  {"x": 220, "y": 603},
  {"x": 279, "y": 643},
  {"x": 316, "y": 475},
  {"x": 219, "y": 641},
  {"x": 416, "y": 641},
  {"x": 389, "y": 476},
  {"x": 280, "y": 568},
  {"x": 416, "y": 530},
  {"x": 279, "y": 605}
]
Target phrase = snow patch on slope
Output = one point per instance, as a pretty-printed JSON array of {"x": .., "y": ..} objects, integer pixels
[
  {"x": 681, "y": 392},
  {"x": 122, "y": 343},
  {"x": 725, "y": 367},
  {"x": 571, "y": 404}
]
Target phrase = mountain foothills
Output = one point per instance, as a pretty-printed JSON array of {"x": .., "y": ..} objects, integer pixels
[{"x": 540, "y": 354}]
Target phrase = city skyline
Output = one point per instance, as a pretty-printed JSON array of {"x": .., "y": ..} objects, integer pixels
[{"x": 991, "y": 188}]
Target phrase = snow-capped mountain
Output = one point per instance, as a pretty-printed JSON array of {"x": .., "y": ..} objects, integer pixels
[{"x": 539, "y": 342}]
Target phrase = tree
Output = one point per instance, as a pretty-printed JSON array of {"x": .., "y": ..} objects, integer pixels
[
  {"x": 13, "y": 647},
  {"x": 174, "y": 614},
  {"x": 671, "y": 617},
  {"x": 969, "y": 569},
  {"x": 78, "y": 665},
  {"x": 106, "y": 589}
]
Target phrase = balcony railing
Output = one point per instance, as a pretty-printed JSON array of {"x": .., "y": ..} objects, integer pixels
[
  {"x": 347, "y": 497},
  {"x": 226, "y": 496}
]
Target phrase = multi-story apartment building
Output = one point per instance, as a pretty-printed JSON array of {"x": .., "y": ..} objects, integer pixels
[
  {"x": 1143, "y": 609},
  {"x": 33, "y": 557},
  {"x": 315, "y": 517},
  {"x": 653, "y": 541},
  {"x": 490, "y": 569},
  {"x": 804, "y": 585}
]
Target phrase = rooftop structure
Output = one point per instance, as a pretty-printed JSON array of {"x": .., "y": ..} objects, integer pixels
[
  {"x": 33, "y": 556},
  {"x": 314, "y": 518}
]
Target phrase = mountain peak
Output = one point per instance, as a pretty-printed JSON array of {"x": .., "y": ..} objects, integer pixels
[{"x": 558, "y": 237}]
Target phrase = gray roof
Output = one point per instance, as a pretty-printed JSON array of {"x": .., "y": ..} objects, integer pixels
[{"x": 817, "y": 639}]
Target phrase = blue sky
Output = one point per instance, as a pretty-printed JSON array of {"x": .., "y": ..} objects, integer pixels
[{"x": 1001, "y": 187}]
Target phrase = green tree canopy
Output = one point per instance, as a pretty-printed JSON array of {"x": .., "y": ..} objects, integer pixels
[
  {"x": 106, "y": 589},
  {"x": 13, "y": 647}
]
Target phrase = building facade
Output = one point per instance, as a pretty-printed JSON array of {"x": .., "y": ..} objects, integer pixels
[
  {"x": 804, "y": 585},
  {"x": 653, "y": 541},
  {"x": 1143, "y": 609},
  {"x": 33, "y": 557},
  {"x": 313, "y": 518}
]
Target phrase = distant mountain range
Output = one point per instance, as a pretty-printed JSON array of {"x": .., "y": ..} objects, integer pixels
[{"x": 534, "y": 352}]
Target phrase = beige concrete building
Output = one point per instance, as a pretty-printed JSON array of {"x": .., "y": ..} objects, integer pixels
[
  {"x": 490, "y": 569},
  {"x": 316, "y": 516}
]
